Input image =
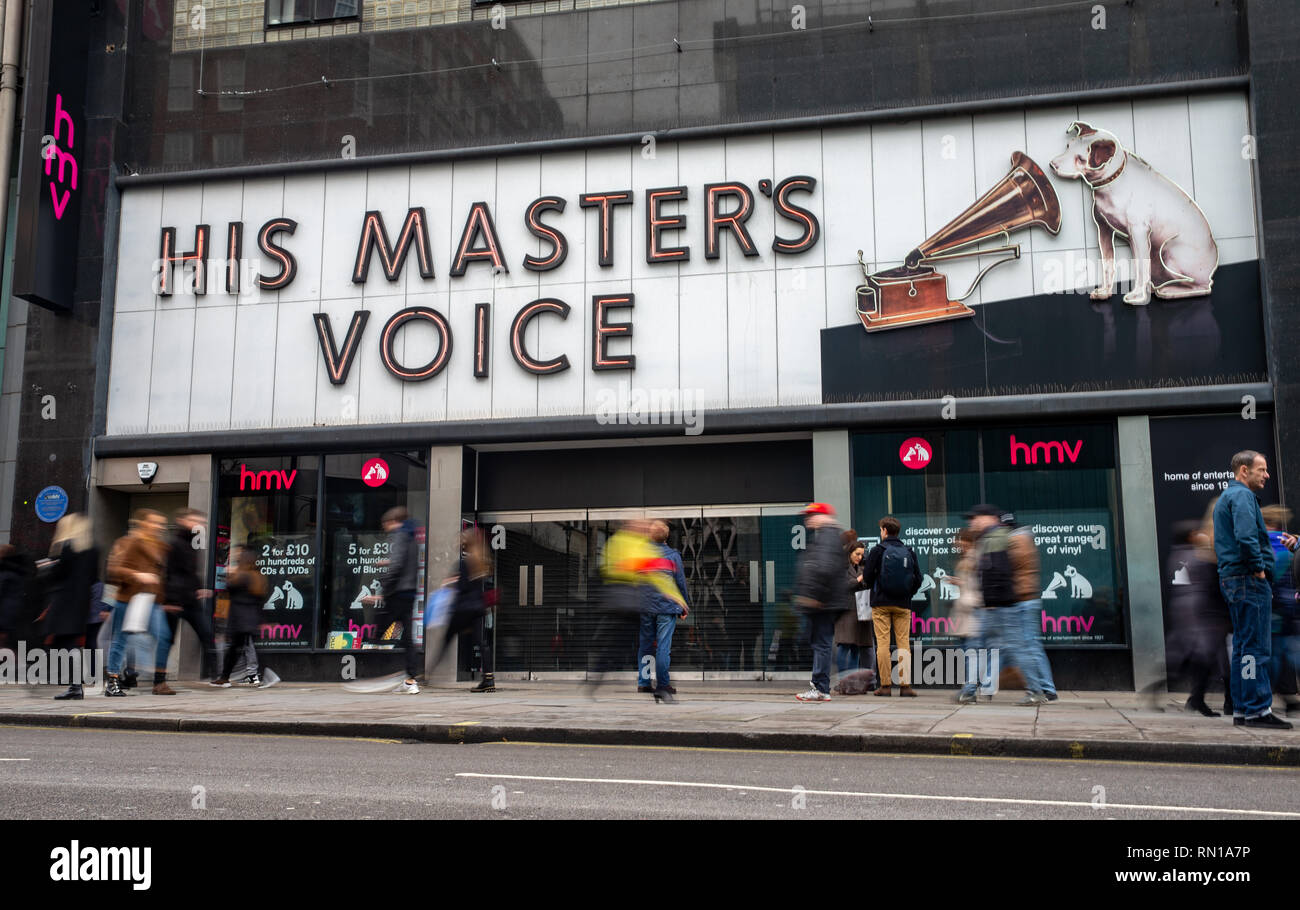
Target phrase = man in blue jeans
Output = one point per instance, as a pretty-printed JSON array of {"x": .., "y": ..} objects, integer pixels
[
  {"x": 1245, "y": 559},
  {"x": 659, "y": 622}
]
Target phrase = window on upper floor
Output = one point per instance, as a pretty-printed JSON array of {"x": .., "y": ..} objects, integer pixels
[{"x": 307, "y": 12}]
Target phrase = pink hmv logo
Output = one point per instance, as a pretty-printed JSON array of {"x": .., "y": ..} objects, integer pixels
[
  {"x": 265, "y": 480},
  {"x": 1033, "y": 453},
  {"x": 915, "y": 453},
  {"x": 374, "y": 472}
]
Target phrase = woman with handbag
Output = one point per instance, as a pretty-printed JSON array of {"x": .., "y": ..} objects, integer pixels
[
  {"x": 135, "y": 566},
  {"x": 70, "y": 573},
  {"x": 247, "y": 588},
  {"x": 853, "y": 629}
]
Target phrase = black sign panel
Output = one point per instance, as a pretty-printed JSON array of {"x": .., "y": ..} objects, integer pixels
[
  {"x": 54, "y": 148},
  {"x": 1191, "y": 464},
  {"x": 1057, "y": 343}
]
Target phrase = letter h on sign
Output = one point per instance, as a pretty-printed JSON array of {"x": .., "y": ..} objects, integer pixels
[{"x": 61, "y": 115}]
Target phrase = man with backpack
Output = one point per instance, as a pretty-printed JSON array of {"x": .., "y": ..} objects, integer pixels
[
  {"x": 1009, "y": 580},
  {"x": 892, "y": 574}
]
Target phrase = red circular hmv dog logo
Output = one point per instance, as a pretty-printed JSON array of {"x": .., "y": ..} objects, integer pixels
[
  {"x": 374, "y": 472},
  {"x": 915, "y": 453}
]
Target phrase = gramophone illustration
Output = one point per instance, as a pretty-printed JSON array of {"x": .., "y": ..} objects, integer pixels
[{"x": 914, "y": 293}]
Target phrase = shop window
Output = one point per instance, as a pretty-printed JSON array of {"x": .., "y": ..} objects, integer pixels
[
  {"x": 308, "y": 12},
  {"x": 1059, "y": 481},
  {"x": 268, "y": 505},
  {"x": 359, "y": 490}
]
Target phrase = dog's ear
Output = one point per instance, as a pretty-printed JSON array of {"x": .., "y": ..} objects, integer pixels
[
  {"x": 1101, "y": 151},
  {"x": 1079, "y": 128}
]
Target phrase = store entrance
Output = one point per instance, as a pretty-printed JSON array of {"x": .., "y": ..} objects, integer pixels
[{"x": 739, "y": 563}]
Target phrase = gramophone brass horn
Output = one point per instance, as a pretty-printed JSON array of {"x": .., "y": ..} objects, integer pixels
[{"x": 1023, "y": 197}]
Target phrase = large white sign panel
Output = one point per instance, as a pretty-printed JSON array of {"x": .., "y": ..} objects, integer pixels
[{"x": 559, "y": 284}]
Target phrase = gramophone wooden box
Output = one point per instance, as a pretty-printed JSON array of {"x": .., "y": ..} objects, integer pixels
[
  {"x": 915, "y": 293},
  {"x": 904, "y": 296}
]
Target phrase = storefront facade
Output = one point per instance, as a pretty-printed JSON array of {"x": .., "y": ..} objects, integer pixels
[
  {"x": 580, "y": 322},
  {"x": 712, "y": 314}
]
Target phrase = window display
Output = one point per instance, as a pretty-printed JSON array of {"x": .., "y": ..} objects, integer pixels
[{"x": 1057, "y": 480}]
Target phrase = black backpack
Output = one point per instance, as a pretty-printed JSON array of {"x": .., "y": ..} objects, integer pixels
[
  {"x": 896, "y": 572},
  {"x": 996, "y": 577}
]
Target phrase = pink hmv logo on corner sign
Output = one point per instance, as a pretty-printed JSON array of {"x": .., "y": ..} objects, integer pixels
[
  {"x": 915, "y": 453},
  {"x": 374, "y": 472}
]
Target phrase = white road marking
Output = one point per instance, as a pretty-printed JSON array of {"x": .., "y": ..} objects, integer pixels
[
  {"x": 15, "y": 759},
  {"x": 919, "y": 796}
]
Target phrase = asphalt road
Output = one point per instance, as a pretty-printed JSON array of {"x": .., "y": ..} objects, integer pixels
[{"x": 92, "y": 774}]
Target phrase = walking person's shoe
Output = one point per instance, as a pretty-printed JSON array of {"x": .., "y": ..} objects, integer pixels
[
  {"x": 967, "y": 699},
  {"x": 646, "y": 689},
  {"x": 886, "y": 691},
  {"x": 251, "y": 679},
  {"x": 906, "y": 692},
  {"x": 1032, "y": 699},
  {"x": 669, "y": 689},
  {"x": 663, "y": 696},
  {"x": 813, "y": 694},
  {"x": 74, "y": 693},
  {"x": 220, "y": 683},
  {"x": 1293, "y": 709},
  {"x": 1238, "y": 721},
  {"x": 269, "y": 678},
  {"x": 1051, "y": 696},
  {"x": 130, "y": 680},
  {"x": 486, "y": 684},
  {"x": 1198, "y": 706},
  {"x": 113, "y": 688},
  {"x": 408, "y": 688},
  {"x": 161, "y": 688},
  {"x": 1268, "y": 720}
]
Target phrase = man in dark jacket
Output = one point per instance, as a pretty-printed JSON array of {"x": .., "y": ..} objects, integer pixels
[
  {"x": 183, "y": 595},
  {"x": 1245, "y": 569},
  {"x": 400, "y": 580},
  {"x": 822, "y": 592},
  {"x": 892, "y": 574}
]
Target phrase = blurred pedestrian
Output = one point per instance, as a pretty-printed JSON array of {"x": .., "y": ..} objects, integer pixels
[
  {"x": 1245, "y": 559},
  {"x": 893, "y": 575},
  {"x": 475, "y": 599},
  {"x": 659, "y": 622},
  {"x": 1009, "y": 579},
  {"x": 1285, "y": 643},
  {"x": 853, "y": 633},
  {"x": 135, "y": 566},
  {"x": 400, "y": 582},
  {"x": 965, "y": 621},
  {"x": 822, "y": 593},
  {"x": 1031, "y": 608},
  {"x": 183, "y": 595},
  {"x": 632, "y": 568},
  {"x": 70, "y": 572},
  {"x": 1198, "y": 617},
  {"x": 247, "y": 588}
]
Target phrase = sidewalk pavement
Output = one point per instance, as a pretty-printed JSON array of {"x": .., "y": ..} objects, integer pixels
[{"x": 1081, "y": 725}]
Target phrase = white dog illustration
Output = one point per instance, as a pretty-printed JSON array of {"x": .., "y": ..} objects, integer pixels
[
  {"x": 947, "y": 590},
  {"x": 1080, "y": 587},
  {"x": 1171, "y": 241}
]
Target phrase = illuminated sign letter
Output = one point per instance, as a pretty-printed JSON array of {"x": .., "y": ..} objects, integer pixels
[
  {"x": 656, "y": 224},
  {"x": 387, "y": 339},
  {"x": 167, "y": 257},
  {"x": 716, "y": 222},
  {"x": 393, "y": 257},
  {"x": 338, "y": 363},
  {"x": 478, "y": 224},
  {"x": 605, "y": 202},
  {"x": 288, "y": 265},
  {"x": 800, "y": 216},
  {"x": 522, "y": 318},
  {"x": 602, "y": 330},
  {"x": 559, "y": 245},
  {"x": 482, "y": 338}
]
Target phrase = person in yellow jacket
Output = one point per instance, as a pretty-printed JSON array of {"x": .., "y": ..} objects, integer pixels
[{"x": 630, "y": 567}]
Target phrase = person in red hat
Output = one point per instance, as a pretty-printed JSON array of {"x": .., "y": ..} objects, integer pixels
[{"x": 822, "y": 592}]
